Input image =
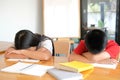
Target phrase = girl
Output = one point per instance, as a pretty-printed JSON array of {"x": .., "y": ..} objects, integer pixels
[{"x": 30, "y": 45}]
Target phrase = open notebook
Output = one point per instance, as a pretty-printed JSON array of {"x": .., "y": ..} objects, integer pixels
[{"x": 27, "y": 68}]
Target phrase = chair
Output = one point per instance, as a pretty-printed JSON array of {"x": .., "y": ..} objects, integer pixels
[{"x": 62, "y": 48}]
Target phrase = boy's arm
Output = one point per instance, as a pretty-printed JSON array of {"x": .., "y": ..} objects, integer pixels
[
  {"x": 103, "y": 57},
  {"x": 73, "y": 56},
  {"x": 90, "y": 58},
  {"x": 108, "y": 61},
  {"x": 97, "y": 57}
]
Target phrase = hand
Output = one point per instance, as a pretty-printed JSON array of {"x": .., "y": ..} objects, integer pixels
[
  {"x": 97, "y": 57},
  {"x": 16, "y": 51},
  {"x": 9, "y": 50},
  {"x": 108, "y": 61}
]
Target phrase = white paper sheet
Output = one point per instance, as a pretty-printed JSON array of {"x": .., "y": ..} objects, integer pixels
[
  {"x": 24, "y": 60},
  {"x": 27, "y": 68},
  {"x": 111, "y": 66}
]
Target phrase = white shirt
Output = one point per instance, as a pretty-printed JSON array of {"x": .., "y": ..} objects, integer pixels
[{"x": 47, "y": 44}]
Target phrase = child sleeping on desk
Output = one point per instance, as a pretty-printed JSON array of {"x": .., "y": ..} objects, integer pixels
[
  {"x": 30, "y": 45},
  {"x": 96, "y": 48}
]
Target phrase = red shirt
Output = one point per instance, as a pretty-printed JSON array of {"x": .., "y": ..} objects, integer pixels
[{"x": 112, "y": 48}]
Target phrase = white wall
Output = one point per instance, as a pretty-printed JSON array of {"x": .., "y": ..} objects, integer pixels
[{"x": 19, "y": 14}]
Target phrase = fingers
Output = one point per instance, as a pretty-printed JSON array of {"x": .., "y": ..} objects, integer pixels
[
  {"x": 113, "y": 61},
  {"x": 108, "y": 61},
  {"x": 14, "y": 51}
]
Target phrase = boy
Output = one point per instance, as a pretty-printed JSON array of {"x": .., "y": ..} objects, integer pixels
[{"x": 96, "y": 48}]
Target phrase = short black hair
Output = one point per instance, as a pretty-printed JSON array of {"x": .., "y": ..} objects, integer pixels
[{"x": 96, "y": 41}]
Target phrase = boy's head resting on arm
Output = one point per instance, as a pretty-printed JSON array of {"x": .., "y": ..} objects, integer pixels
[{"x": 96, "y": 41}]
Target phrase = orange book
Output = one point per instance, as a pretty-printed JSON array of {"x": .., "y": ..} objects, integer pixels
[{"x": 75, "y": 66}]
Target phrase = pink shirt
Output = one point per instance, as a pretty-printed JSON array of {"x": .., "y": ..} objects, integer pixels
[{"x": 112, "y": 48}]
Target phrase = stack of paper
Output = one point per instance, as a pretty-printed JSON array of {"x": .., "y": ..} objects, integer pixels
[
  {"x": 111, "y": 66},
  {"x": 24, "y": 60},
  {"x": 65, "y": 75},
  {"x": 27, "y": 68}
]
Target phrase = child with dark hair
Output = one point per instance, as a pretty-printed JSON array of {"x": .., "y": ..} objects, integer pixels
[
  {"x": 30, "y": 45},
  {"x": 96, "y": 41},
  {"x": 96, "y": 48}
]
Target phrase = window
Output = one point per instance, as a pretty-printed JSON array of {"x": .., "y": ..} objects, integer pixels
[
  {"x": 61, "y": 18},
  {"x": 102, "y": 14}
]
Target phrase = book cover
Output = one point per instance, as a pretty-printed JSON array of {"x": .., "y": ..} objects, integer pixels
[
  {"x": 76, "y": 66},
  {"x": 65, "y": 75},
  {"x": 27, "y": 68}
]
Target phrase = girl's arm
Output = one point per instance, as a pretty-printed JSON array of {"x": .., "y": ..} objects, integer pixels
[
  {"x": 40, "y": 54},
  {"x": 9, "y": 54}
]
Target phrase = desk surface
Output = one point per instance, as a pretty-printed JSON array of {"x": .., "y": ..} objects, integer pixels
[
  {"x": 96, "y": 74},
  {"x": 4, "y": 45}
]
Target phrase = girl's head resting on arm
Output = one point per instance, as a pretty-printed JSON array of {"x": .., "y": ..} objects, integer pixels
[
  {"x": 25, "y": 39},
  {"x": 96, "y": 41}
]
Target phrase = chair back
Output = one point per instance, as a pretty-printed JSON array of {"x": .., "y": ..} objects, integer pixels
[{"x": 62, "y": 48}]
